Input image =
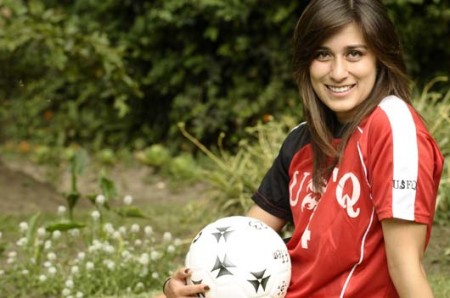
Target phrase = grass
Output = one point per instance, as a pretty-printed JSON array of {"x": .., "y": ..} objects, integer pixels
[
  {"x": 182, "y": 224},
  {"x": 127, "y": 257}
]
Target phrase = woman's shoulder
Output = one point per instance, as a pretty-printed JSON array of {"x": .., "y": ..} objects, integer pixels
[
  {"x": 297, "y": 138},
  {"x": 393, "y": 113},
  {"x": 298, "y": 134}
]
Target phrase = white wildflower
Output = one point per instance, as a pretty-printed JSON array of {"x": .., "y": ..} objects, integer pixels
[
  {"x": 95, "y": 215},
  {"x": 123, "y": 230},
  {"x": 144, "y": 272},
  {"x": 139, "y": 286},
  {"x": 177, "y": 242},
  {"x": 56, "y": 234},
  {"x": 126, "y": 254},
  {"x": 108, "y": 228},
  {"x": 108, "y": 248},
  {"x": 69, "y": 284},
  {"x": 171, "y": 249},
  {"x": 42, "y": 278},
  {"x": 22, "y": 241},
  {"x": 48, "y": 264},
  {"x": 74, "y": 232},
  {"x": 154, "y": 255},
  {"x": 41, "y": 232},
  {"x": 12, "y": 254},
  {"x": 81, "y": 255},
  {"x": 116, "y": 235},
  {"x": 25, "y": 272},
  {"x": 66, "y": 292},
  {"x": 75, "y": 270},
  {"x": 100, "y": 200},
  {"x": 144, "y": 259},
  {"x": 109, "y": 264},
  {"x": 23, "y": 227},
  {"x": 61, "y": 210},
  {"x": 135, "y": 228},
  {"x": 148, "y": 230},
  {"x": 51, "y": 256},
  {"x": 47, "y": 244},
  {"x": 89, "y": 266},
  {"x": 128, "y": 200},
  {"x": 52, "y": 270},
  {"x": 95, "y": 246},
  {"x": 137, "y": 242},
  {"x": 155, "y": 275},
  {"x": 79, "y": 295},
  {"x": 2, "y": 272},
  {"x": 167, "y": 237},
  {"x": 1, "y": 235}
]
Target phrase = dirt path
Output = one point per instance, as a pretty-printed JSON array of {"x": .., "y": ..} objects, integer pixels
[{"x": 26, "y": 187}]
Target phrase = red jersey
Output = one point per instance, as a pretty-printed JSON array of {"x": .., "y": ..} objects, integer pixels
[{"x": 391, "y": 168}]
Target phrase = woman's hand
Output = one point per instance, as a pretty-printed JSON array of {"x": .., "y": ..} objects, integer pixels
[{"x": 176, "y": 286}]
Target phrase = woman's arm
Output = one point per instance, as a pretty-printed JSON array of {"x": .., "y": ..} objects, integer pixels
[
  {"x": 405, "y": 244},
  {"x": 272, "y": 221}
]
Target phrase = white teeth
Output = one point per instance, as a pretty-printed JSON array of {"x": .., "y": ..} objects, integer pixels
[{"x": 340, "y": 89}]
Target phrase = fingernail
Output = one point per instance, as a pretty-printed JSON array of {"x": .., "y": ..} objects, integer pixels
[{"x": 206, "y": 288}]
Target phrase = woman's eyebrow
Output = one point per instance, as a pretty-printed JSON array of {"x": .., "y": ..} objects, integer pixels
[{"x": 351, "y": 47}]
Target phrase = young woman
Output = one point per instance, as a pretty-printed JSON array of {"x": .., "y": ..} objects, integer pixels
[{"x": 359, "y": 178}]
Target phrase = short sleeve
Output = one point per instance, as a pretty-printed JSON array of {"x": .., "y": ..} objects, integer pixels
[
  {"x": 405, "y": 164},
  {"x": 273, "y": 192}
]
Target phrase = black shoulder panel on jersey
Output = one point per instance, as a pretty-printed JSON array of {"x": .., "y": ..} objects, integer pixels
[{"x": 273, "y": 193}]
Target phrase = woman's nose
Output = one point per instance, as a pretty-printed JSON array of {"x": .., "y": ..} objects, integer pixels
[{"x": 338, "y": 69}]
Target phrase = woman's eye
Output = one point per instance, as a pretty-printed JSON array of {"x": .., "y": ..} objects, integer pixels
[
  {"x": 354, "y": 54},
  {"x": 323, "y": 56}
]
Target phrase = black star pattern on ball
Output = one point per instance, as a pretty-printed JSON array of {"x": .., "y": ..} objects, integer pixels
[
  {"x": 259, "y": 281},
  {"x": 222, "y": 232},
  {"x": 223, "y": 266}
]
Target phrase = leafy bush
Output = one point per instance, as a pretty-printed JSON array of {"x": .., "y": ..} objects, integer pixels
[
  {"x": 235, "y": 176},
  {"x": 124, "y": 73},
  {"x": 435, "y": 108}
]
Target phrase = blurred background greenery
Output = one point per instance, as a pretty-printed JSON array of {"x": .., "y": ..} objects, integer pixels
[{"x": 124, "y": 73}]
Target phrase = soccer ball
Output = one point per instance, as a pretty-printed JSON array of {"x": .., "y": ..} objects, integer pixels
[{"x": 239, "y": 257}]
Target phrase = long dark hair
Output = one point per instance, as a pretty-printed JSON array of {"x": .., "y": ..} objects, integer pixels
[{"x": 320, "y": 20}]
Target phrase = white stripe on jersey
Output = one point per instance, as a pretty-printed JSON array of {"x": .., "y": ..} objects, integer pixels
[{"x": 405, "y": 155}]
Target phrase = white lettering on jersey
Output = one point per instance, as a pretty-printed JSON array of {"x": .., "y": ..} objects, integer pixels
[
  {"x": 306, "y": 236},
  {"x": 345, "y": 200},
  {"x": 309, "y": 200},
  {"x": 294, "y": 199}
]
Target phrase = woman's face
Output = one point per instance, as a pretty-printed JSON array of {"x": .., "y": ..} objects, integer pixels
[{"x": 343, "y": 71}]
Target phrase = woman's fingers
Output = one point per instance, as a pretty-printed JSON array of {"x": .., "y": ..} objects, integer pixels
[{"x": 177, "y": 287}]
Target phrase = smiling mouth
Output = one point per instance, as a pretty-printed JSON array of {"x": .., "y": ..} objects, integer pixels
[{"x": 340, "y": 89}]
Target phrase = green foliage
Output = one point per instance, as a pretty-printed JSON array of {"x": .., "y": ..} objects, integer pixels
[
  {"x": 237, "y": 176},
  {"x": 156, "y": 155},
  {"x": 96, "y": 259},
  {"x": 62, "y": 82},
  {"x": 424, "y": 28},
  {"x": 101, "y": 255},
  {"x": 181, "y": 167},
  {"x": 108, "y": 74},
  {"x": 434, "y": 106}
]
